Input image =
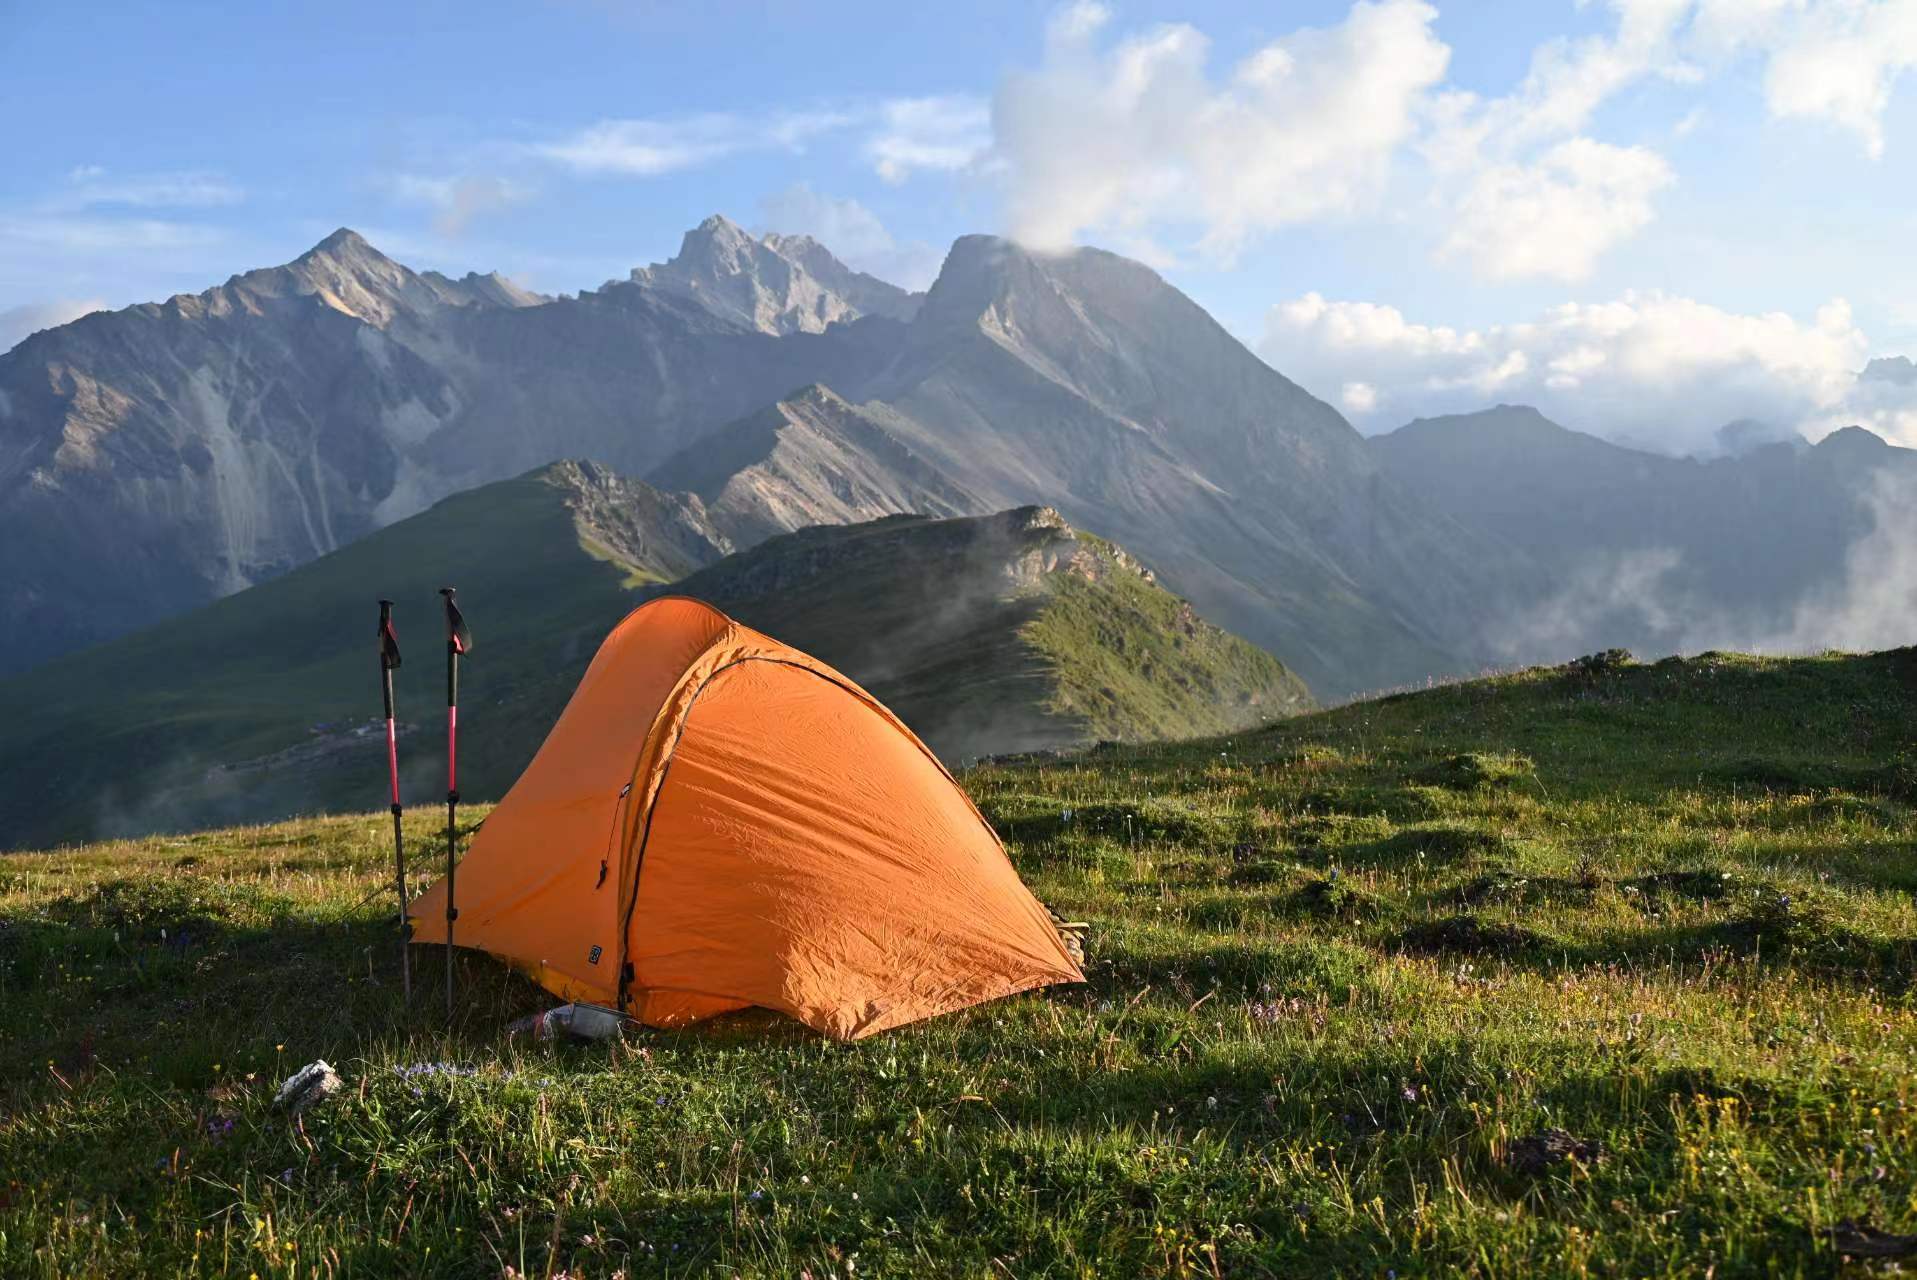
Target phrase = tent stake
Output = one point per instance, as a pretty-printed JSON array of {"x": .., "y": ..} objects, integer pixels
[{"x": 389, "y": 659}]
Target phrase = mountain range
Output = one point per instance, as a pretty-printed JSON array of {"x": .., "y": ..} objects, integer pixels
[
  {"x": 159, "y": 458},
  {"x": 1785, "y": 545}
]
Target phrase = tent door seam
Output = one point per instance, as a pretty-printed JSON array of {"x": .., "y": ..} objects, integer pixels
[{"x": 626, "y": 973}]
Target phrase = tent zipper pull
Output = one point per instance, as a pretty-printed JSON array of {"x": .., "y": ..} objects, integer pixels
[{"x": 606, "y": 861}]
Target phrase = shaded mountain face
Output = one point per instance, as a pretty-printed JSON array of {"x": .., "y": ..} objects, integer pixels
[
  {"x": 1085, "y": 381},
  {"x": 811, "y": 459},
  {"x": 1654, "y": 553},
  {"x": 777, "y": 284},
  {"x": 167, "y": 454},
  {"x": 159, "y": 457},
  {"x": 997, "y": 633}
]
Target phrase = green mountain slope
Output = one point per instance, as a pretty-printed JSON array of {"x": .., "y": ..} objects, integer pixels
[
  {"x": 986, "y": 634},
  {"x": 258, "y": 705},
  {"x": 1009, "y": 632},
  {"x": 1575, "y": 972}
]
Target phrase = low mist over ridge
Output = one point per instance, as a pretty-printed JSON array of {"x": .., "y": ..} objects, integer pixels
[{"x": 1783, "y": 548}]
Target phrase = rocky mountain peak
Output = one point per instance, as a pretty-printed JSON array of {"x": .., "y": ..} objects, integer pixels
[
  {"x": 1897, "y": 369},
  {"x": 1854, "y": 442},
  {"x": 347, "y": 273},
  {"x": 344, "y": 242},
  {"x": 719, "y": 246},
  {"x": 776, "y": 284},
  {"x": 343, "y": 272},
  {"x": 802, "y": 249}
]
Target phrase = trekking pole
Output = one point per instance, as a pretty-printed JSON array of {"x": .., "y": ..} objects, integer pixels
[
  {"x": 389, "y": 659},
  {"x": 459, "y": 640}
]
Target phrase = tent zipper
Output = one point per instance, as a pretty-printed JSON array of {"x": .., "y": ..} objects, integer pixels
[{"x": 618, "y": 817}]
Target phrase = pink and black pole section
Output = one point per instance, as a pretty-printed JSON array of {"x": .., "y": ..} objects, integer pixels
[
  {"x": 459, "y": 642},
  {"x": 388, "y": 661}
]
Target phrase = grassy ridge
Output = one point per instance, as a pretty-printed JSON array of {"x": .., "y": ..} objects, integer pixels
[
  {"x": 1134, "y": 662},
  {"x": 1346, "y": 971}
]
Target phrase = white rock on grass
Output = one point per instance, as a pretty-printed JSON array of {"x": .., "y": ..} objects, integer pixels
[{"x": 313, "y": 1083}]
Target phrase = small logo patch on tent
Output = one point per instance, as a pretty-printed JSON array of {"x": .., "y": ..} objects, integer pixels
[{"x": 592, "y": 957}]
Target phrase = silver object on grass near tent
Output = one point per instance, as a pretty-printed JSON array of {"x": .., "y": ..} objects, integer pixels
[{"x": 585, "y": 1021}]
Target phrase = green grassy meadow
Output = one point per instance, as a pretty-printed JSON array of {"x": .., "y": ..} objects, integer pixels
[{"x": 1345, "y": 971}]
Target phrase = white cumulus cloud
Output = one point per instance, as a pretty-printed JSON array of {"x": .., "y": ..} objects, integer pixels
[
  {"x": 1831, "y": 60},
  {"x": 1119, "y": 139},
  {"x": 1648, "y": 368},
  {"x": 1553, "y": 217},
  {"x": 1527, "y": 193}
]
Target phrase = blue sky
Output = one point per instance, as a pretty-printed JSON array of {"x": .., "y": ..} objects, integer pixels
[{"x": 1648, "y": 215}]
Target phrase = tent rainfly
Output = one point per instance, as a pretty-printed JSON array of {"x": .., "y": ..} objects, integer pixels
[{"x": 719, "y": 822}]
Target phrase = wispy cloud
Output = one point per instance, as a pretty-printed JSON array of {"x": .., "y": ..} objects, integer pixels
[
  {"x": 457, "y": 199},
  {"x": 647, "y": 147},
  {"x": 943, "y": 134},
  {"x": 93, "y": 187},
  {"x": 853, "y": 233},
  {"x": 93, "y": 235}
]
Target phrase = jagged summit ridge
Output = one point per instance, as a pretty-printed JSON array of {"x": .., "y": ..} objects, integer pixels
[
  {"x": 775, "y": 284},
  {"x": 348, "y": 274}
]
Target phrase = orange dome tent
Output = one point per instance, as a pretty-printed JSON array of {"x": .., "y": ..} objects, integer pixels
[{"x": 719, "y": 821}]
